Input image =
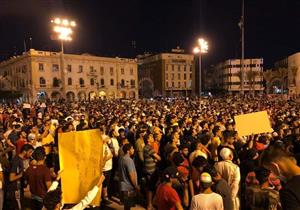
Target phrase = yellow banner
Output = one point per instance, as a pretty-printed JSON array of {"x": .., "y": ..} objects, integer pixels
[
  {"x": 80, "y": 157},
  {"x": 253, "y": 123}
]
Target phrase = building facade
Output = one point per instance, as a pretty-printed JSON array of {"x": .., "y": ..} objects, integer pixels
[
  {"x": 227, "y": 77},
  {"x": 39, "y": 74},
  {"x": 284, "y": 77},
  {"x": 167, "y": 74}
]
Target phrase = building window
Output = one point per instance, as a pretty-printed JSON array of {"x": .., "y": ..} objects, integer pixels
[
  {"x": 179, "y": 68},
  {"x": 122, "y": 83},
  {"x": 55, "y": 67},
  {"x": 24, "y": 69},
  {"x": 184, "y": 76},
  {"x": 41, "y": 67},
  {"x": 92, "y": 82},
  {"x": 69, "y": 68},
  {"x": 172, "y": 84},
  {"x": 184, "y": 84},
  {"x": 172, "y": 76},
  {"x": 184, "y": 68},
  {"x": 42, "y": 82},
  {"x": 112, "y": 82},
  {"x": 101, "y": 70},
  {"x": 81, "y": 82},
  {"x": 167, "y": 84},
  {"x": 111, "y": 70},
  {"x": 122, "y": 71},
  {"x": 179, "y": 76},
  {"x": 80, "y": 69},
  {"x": 55, "y": 82},
  {"x": 92, "y": 69},
  {"x": 69, "y": 81},
  {"x": 190, "y": 75},
  {"x": 172, "y": 67},
  {"x": 102, "y": 82},
  {"x": 132, "y": 83},
  {"x": 166, "y": 75},
  {"x": 179, "y": 84},
  {"x": 131, "y": 71}
]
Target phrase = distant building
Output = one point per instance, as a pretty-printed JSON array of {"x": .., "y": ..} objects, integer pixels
[
  {"x": 226, "y": 76},
  {"x": 285, "y": 76},
  {"x": 38, "y": 74},
  {"x": 167, "y": 74}
]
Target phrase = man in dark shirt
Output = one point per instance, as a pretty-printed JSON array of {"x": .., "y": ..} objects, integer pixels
[
  {"x": 39, "y": 178},
  {"x": 284, "y": 165},
  {"x": 16, "y": 179},
  {"x": 221, "y": 187}
]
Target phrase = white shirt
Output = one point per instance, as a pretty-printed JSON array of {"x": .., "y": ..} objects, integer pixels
[
  {"x": 115, "y": 144},
  {"x": 109, "y": 163},
  {"x": 212, "y": 201}
]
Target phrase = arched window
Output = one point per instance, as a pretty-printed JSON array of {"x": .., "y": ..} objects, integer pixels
[
  {"x": 92, "y": 81},
  {"x": 122, "y": 83},
  {"x": 81, "y": 82},
  {"x": 42, "y": 82},
  {"x": 111, "y": 82},
  {"x": 102, "y": 82},
  {"x": 69, "y": 81}
]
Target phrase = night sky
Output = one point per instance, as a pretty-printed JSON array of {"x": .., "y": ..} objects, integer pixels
[{"x": 108, "y": 27}]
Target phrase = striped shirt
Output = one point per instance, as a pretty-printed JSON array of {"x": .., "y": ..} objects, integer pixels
[{"x": 149, "y": 160}]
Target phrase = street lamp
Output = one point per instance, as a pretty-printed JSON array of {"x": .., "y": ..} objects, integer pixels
[
  {"x": 200, "y": 49},
  {"x": 63, "y": 29}
]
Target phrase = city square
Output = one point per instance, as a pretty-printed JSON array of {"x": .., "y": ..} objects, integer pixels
[{"x": 149, "y": 105}]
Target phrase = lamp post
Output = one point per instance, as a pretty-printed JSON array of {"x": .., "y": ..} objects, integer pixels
[
  {"x": 63, "y": 29},
  {"x": 200, "y": 49}
]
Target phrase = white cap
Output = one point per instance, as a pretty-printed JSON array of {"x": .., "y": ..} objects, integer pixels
[{"x": 205, "y": 178}]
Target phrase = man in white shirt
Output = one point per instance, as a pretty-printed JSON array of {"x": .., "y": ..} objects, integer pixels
[
  {"x": 231, "y": 173},
  {"x": 207, "y": 199}
]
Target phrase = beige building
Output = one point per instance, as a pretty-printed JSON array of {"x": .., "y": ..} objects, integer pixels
[
  {"x": 38, "y": 74},
  {"x": 226, "y": 76},
  {"x": 285, "y": 76},
  {"x": 167, "y": 74}
]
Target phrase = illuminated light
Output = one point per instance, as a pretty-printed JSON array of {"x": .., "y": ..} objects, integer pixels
[
  {"x": 196, "y": 50},
  {"x": 72, "y": 23},
  {"x": 65, "y": 22},
  {"x": 203, "y": 45},
  {"x": 57, "y": 21}
]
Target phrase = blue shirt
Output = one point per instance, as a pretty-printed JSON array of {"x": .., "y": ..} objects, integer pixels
[{"x": 126, "y": 166}]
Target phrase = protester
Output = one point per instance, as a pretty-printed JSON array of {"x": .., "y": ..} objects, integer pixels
[
  {"x": 167, "y": 197},
  {"x": 164, "y": 133},
  {"x": 284, "y": 165},
  {"x": 207, "y": 199}
]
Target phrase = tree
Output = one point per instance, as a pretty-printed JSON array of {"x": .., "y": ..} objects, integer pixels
[
  {"x": 282, "y": 73},
  {"x": 251, "y": 76},
  {"x": 268, "y": 75}
]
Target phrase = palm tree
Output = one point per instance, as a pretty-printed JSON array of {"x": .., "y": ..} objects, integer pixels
[
  {"x": 282, "y": 73},
  {"x": 268, "y": 75},
  {"x": 251, "y": 76}
]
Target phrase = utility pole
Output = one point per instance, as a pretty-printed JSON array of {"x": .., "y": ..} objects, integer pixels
[{"x": 242, "y": 27}]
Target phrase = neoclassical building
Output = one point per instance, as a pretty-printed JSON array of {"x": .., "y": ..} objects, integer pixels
[{"x": 43, "y": 74}]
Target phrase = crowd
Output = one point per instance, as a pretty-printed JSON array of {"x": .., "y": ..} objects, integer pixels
[{"x": 161, "y": 154}]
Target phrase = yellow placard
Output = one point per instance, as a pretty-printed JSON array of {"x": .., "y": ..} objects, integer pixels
[
  {"x": 253, "y": 123},
  {"x": 80, "y": 157}
]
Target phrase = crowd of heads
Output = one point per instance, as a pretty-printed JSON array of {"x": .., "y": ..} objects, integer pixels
[{"x": 189, "y": 137}]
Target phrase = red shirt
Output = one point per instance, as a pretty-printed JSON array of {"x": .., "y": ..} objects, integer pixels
[
  {"x": 167, "y": 197},
  {"x": 19, "y": 145},
  {"x": 37, "y": 176}
]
